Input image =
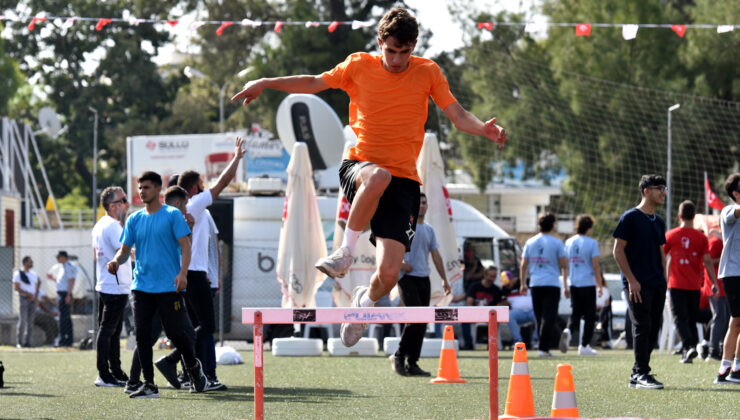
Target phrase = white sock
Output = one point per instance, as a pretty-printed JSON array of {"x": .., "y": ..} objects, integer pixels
[
  {"x": 350, "y": 239},
  {"x": 365, "y": 301},
  {"x": 726, "y": 364}
]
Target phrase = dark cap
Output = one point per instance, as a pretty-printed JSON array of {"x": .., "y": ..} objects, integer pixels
[{"x": 62, "y": 254}]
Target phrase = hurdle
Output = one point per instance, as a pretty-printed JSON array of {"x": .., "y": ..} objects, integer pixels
[{"x": 376, "y": 315}]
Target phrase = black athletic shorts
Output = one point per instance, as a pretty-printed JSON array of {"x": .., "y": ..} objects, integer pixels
[
  {"x": 397, "y": 210},
  {"x": 732, "y": 291}
]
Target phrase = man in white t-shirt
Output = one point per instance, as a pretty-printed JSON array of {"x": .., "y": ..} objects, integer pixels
[
  {"x": 198, "y": 292},
  {"x": 26, "y": 283},
  {"x": 113, "y": 289}
]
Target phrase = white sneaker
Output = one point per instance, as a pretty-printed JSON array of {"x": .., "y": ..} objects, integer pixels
[
  {"x": 352, "y": 333},
  {"x": 336, "y": 264},
  {"x": 565, "y": 340},
  {"x": 587, "y": 351},
  {"x": 544, "y": 354}
]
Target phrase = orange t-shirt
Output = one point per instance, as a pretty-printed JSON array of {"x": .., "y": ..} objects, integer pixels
[{"x": 387, "y": 111}]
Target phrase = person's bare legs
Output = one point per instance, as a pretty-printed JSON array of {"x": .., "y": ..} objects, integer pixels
[
  {"x": 389, "y": 255},
  {"x": 370, "y": 184},
  {"x": 731, "y": 347}
]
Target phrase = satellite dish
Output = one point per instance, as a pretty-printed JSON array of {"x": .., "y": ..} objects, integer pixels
[
  {"x": 308, "y": 119},
  {"x": 49, "y": 121}
]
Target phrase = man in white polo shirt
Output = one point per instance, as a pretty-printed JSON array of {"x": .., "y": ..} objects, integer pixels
[
  {"x": 198, "y": 293},
  {"x": 113, "y": 289}
]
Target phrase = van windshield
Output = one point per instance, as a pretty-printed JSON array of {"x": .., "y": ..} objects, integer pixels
[{"x": 510, "y": 254}]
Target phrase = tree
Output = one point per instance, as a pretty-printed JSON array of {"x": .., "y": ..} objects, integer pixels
[{"x": 10, "y": 78}]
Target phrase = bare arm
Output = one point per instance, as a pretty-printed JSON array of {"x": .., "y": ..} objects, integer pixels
[
  {"x": 439, "y": 265},
  {"x": 621, "y": 258},
  {"x": 20, "y": 291},
  {"x": 122, "y": 255},
  {"x": 597, "y": 275},
  {"x": 469, "y": 123},
  {"x": 709, "y": 264},
  {"x": 563, "y": 263},
  {"x": 181, "y": 280},
  {"x": 291, "y": 84},
  {"x": 228, "y": 174},
  {"x": 523, "y": 272}
]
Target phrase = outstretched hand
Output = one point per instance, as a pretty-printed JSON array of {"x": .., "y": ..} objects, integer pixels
[
  {"x": 495, "y": 132},
  {"x": 249, "y": 93},
  {"x": 240, "y": 147}
]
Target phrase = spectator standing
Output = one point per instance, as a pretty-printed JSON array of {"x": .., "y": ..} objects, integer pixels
[
  {"x": 543, "y": 260},
  {"x": 65, "y": 279},
  {"x": 113, "y": 289},
  {"x": 26, "y": 283},
  {"x": 585, "y": 283},
  {"x": 415, "y": 290},
  {"x": 718, "y": 304},
  {"x": 214, "y": 277},
  {"x": 729, "y": 272},
  {"x": 638, "y": 251},
  {"x": 687, "y": 253}
]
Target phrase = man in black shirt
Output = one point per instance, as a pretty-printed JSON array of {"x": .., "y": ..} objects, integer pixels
[{"x": 638, "y": 250}]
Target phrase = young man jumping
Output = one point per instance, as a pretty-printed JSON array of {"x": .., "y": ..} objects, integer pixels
[{"x": 389, "y": 95}]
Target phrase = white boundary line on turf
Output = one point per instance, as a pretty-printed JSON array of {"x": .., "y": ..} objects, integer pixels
[{"x": 376, "y": 315}]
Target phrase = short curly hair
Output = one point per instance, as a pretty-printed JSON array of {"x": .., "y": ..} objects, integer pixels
[{"x": 399, "y": 24}]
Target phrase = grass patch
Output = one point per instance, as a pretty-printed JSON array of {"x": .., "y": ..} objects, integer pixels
[{"x": 59, "y": 384}]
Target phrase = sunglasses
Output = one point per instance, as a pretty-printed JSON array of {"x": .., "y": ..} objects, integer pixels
[{"x": 124, "y": 200}]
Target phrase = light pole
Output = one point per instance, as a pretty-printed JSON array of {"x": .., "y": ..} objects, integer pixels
[
  {"x": 668, "y": 174},
  {"x": 95, "y": 214},
  {"x": 192, "y": 73}
]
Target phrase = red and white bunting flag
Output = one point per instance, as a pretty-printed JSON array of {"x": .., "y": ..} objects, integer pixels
[
  {"x": 34, "y": 21},
  {"x": 311, "y": 24},
  {"x": 333, "y": 26},
  {"x": 278, "y": 26},
  {"x": 173, "y": 23},
  {"x": 629, "y": 31},
  {"x": 487, "y": 25},
  {"x": 725, "y": 28},
  {"x": 583, "y": 29},
  {"x": 102, "y": 22},
  {"x": 223, "y": 26},
  {"x": 357, "y": 24},
  {"x": 68, "y": 23},
  {"x": 712, "y": 200},
  {"x": 680, "y": 30},
  {"x": 252, "y": 23}
]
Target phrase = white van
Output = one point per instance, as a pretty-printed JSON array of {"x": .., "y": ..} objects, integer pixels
[{"x": 257, "y": 221}]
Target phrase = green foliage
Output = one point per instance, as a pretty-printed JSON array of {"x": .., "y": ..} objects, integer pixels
[
  {"x": 10, "y": 78},
  {"x": 74, "y": 200}
]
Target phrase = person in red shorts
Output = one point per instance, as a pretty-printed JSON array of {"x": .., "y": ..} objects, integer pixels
[
  {"x": 687, "y": 252},
  {"x": 389, "y": 95}
]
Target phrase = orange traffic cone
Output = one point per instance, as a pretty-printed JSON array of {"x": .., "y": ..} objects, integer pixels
[
  {"x": 519, "y": 401},
  {"x": 448, "y": 371},
  {"x": 564, "y": 398}
]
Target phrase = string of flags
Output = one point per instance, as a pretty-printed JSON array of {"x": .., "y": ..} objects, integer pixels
[
  {"x": 629, "y": 31},
  {"x": 100, "y": 23}
]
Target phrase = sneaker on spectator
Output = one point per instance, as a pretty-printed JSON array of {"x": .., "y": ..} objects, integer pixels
[
  {"x": 132, "y": 387},
  {"x": 703, "y": 350},
  {"x": 352, "y": 333},
  {"x": 398, "y": 365},
  {"x": 120, "y": 377},
  {"x": 146, "y": 391},
  {"x": 336, "y": 264},
  {"x": 169, "y": 371},
  {"x": 713, "y": 356},
  {"x": 215, "y": 385},
  {"x": 198, "y": 380},
  {"x": 106, "y": 380},
  {"x": 565, "y": 340},
  {"x": 633, "y": 380},
  {"x": 184, "y": 379},
  {"x": 414, "y": 370},
  {"x": 691, "y": 353},
  {"x": 734, "y": 376},
  {"x": 647, "y": 381},
  {"x": 587, "y": 351}
]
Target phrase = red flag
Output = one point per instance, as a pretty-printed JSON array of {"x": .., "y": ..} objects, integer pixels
[
  {"x": 102, "y": 22},
  {"x": 712, "y": 200},
  {"x": 278, "y": 26},
  {"x": 33, "y": 22},
  {"x": 333, "y": 26},
  {"x": 487, "y": 25},
  {"x": 173, "y": 23},
  {"x": 343, "y": 211},
  {"x": 223, "y": 26},
  {"x": 583, "y": 29},
  {"x": 680, "y": 30}
]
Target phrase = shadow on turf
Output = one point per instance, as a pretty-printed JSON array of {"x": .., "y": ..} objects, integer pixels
[{"x": 242, "y": 393}]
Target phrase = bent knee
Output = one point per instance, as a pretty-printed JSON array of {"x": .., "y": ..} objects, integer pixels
[{"x": 379, "y": 180}]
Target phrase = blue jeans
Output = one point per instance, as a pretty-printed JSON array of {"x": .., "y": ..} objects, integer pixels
[
  {"x": 66, "y": 335},
  {"x": 518, "y": 317}
]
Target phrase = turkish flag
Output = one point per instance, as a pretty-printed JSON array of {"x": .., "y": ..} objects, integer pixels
[
  {"x": 680, "y": 30},
  {"x": 278, "y": 26},
  {"x": 487, "y": 25},
  {"x": 712, "y": 200},
  {"x": 333, "y": 26},
  {"x": 102, "y": 22},
  {"x": 223, "y": 26},
  {"x": 583, "y": 29}
]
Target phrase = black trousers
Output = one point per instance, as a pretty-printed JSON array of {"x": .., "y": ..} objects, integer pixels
[
  {"x": 545, "y": 301},
  {"x": 110, "y": 323},
  {"x": 684, "y": 309},
  {"x": 200, "y": 312},
  {"x": 605, "y": 317},
  {"x": 646, "y": 318},
  {"x": 171, "y": 309},
  {"x": 134, "y": 375},
  {"x": 583, "y": 302},
  {"x": 414, "y": 291}
]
